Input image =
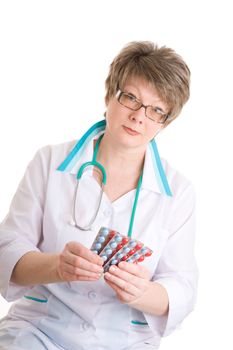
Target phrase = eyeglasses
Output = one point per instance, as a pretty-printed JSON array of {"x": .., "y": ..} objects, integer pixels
[{"x": 130, "y": 101}]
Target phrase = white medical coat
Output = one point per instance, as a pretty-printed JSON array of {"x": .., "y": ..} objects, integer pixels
[{"x": 87, "y": 315}]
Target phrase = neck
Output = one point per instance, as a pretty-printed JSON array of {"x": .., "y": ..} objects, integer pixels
[{"x": 115, "y": 157}]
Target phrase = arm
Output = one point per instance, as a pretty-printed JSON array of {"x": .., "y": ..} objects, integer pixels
[
  {"x": 35, "y": 268},
  {"x": 168, "y": 298},
  {"x": 75, "y": 263},
  {"x": 21, "y": 231},
  {"x": 22, "y": 264},
  {"x": 154, "y": 301},
  {"x": 132, "y": 285},
  {"x": 177, "y": 270}
]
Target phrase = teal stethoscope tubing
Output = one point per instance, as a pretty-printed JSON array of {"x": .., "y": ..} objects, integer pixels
[{"x": 104, "y": 180}]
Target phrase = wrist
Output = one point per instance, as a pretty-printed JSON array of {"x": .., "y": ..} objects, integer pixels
[
  {"x": 153, "y": 301},
  {"x": 54, "y": 275}
]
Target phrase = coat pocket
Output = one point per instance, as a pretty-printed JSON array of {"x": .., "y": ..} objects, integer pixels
[
  {"x": 140, "y": 333},
  {"x": 138, "y": 324},
  {"x": 32, "y": 306}
]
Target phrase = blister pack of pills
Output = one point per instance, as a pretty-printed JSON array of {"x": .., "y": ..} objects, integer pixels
[{"x": 114, "y": 247}]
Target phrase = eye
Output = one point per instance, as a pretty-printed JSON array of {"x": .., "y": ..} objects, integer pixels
[
  {"x": 131, "y": 97},
  {"x": 158, "y": 110}
]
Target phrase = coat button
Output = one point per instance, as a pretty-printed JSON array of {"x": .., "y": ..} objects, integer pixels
[
  {"x": 107, "y": 212},
  {"x": 86, "y": 326},
  {"x": 92, "y": 295}
]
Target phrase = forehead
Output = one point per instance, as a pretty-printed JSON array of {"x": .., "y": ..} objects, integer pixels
[
  {"x": 144, "y": 90},
  {"x": 142, "y": 87}
]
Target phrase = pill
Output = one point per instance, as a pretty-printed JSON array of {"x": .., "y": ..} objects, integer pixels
[
  {"x": 111, "y": 234},
  {"x": 136, "y": 256},
  {"x": 113, "y": 245},
  {"x": 148, "y": 253},
  {"x": 144, "y": 250},
  {"x": 114, "y": 262},
  {"x": 101, "y": 239},
  {"x": 138, "y": 246},
  {"x": 118, "y": 238},
  {"x": 108, "y": 252},
  {"x": 125, "y": 240},
  {"x": 132, "y": 243},
  {"x": 113, "y": 252},
  {"x": 141, "y": 258},
  {"x": 104, "y": 231},
  {"x": 125, "y": 257},
  {"x": 131, "y": 252},
  {"x": 97, "y": 246},
  {"x": 126, "y": 250}
]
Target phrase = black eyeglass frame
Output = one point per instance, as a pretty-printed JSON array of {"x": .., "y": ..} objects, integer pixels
[{"x": 163, "y": 114}]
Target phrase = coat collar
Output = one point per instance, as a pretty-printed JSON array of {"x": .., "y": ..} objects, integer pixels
[{"x": 154, "y": 178}]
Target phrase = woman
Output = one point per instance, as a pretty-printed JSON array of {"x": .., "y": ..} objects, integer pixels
[{"x": 63, "y": 299}]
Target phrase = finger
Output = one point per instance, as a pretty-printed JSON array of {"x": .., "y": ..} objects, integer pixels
[
  {"x": 80, "y": 272},
  {"x": 71, "y": 277},
  {"x": 122, "y": 284},
  {"x": 69, "y": 257},
  {"x": 135, "y": 269},
  {"x": 139, "y": 283},
  {"x": 81, "y": 263},
  {"x": 80, "y": 250},
  {"x": 122, "y": 295},
  {"x": 124, "y": 275}
]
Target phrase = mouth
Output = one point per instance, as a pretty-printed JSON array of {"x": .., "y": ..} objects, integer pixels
[{"x": 131, "y": 131}]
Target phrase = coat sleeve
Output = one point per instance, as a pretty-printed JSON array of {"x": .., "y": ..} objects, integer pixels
[
  {"x": 177, "y": 271},
  {"x": 21, "y": 231}
]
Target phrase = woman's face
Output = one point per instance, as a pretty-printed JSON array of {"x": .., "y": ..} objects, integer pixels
[{"x": 119, "y": 117}]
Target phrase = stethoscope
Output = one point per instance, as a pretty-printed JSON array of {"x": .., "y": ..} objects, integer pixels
[{"x": 104, "y": 180}]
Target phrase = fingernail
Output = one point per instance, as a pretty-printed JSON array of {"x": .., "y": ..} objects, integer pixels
[{"x": 112, "y": 269}]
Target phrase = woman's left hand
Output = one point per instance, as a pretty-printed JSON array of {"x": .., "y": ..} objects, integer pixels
[{"x": 129, "y": 281}]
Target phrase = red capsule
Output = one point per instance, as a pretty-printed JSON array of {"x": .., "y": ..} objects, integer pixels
[
  {"x": 125, "y": 257},
  {"x": 131, "y": 252},
  {"x": 138, "y": 246},
  {"x": 113, "y": 253},
  {"x": 125, "y": 240},
  {"x": 148, "y": 253},
  {"x": 140, "y": 259},
  {"x": 109, "y": 237},
  {"x": 111, "y": 234},
  {"x": 119, "y": 247}
]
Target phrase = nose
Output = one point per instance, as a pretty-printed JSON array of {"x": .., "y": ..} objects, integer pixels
[{"x": 139, "y": 115}]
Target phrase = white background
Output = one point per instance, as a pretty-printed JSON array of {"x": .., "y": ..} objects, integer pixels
[{"x": 54, "y": 60}]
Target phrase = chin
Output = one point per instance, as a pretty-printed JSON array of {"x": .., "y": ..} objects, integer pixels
[
  {"x": 121, "y": 137},
  {"x": 129, "y": 142}
]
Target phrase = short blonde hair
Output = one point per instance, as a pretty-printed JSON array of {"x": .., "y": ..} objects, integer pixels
[{"x": 162, "y": 67}]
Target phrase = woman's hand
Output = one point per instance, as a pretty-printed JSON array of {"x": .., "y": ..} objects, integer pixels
[
  {"x": 78, "y": 263},
  {"x": 129, "y": 281}
]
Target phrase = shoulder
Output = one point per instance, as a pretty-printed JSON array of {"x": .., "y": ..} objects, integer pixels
[{"x": 51, "y": 156}]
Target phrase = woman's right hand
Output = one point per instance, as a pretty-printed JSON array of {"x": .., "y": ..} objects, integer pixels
[{"x": 78, "y": 263}]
